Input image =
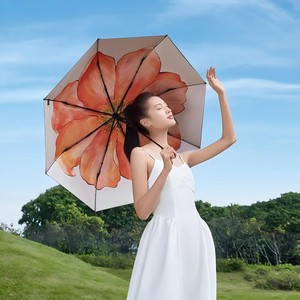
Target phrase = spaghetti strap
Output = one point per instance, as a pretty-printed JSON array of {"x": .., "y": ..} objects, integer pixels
[
  {"x": 148, "y": 153},
  {"x": 181, "y": 158}
]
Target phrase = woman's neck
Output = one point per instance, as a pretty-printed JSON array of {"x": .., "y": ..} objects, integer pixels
[{"x": 160, "y": 138}]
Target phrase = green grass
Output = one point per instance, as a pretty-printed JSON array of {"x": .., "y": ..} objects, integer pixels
[
  {"x": 29, "y": 271},
  {"x": 33, "y": 271},
  {"x": 232, "y": 286}
]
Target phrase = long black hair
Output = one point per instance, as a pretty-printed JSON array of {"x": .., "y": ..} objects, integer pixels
[{"x": 134, "y": 112}]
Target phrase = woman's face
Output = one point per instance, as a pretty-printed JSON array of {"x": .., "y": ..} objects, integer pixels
[{"x": 159, "y": 114}]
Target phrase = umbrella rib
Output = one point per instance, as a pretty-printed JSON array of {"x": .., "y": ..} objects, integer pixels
[
  {"x": 77, "y": 106},
  {"x": 171, "y": 89},
  {"x": 181, "y": 54},
  {"x": 134, "y": 127},
  {"x": 101, "y": 75},
  {"x": 180, "y": 87},
  {"x": 119, "y": 125},
  {"x": 86, "y": 136},
  {"x": 105, "y": 151},
  {"x": 183, "y": 140},
  {"x": 131, "y": 83}
]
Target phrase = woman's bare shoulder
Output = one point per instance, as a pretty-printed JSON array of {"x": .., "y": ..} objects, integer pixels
[
  {"x": 184, "y": 155},
  {"x": 138, "y": 153}
]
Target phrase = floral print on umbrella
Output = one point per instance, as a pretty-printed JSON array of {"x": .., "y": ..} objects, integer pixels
[{"x": 86, "y": 113}]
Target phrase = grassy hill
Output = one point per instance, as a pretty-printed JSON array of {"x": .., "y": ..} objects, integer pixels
[
  {"x": 33, "y": 271},
  {"x": 29, "y": 270}
]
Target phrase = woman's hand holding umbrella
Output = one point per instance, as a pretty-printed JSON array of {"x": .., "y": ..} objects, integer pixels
[{"x": 168, "y": 154}]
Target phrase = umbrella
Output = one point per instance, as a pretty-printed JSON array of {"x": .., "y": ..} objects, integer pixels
[{"x": 84, "y": 122}]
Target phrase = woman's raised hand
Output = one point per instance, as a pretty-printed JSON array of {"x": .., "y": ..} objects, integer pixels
[
  {"x": 168, "y": 154},
  {"x": 213, "y": 81}
]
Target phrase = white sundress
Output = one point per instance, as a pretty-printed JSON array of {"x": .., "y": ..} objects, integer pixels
[{"x": 176, "y": 254}]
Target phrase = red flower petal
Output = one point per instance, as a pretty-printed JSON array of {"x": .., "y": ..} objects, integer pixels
[
  {"x": 171, "y": 89},
  {"x": 110, "y": 173},
  {"x": 62, "y": 113},
  {"x": 147, "y": 72},
  {"x": 96, "y": 85},
  {"x": 83, "y": 138},
  {"x": 174, "y": 138},
  {"x": 98, "y": 165},
  {"x": 143, "y": 140},
  {"x": 71, "y": 158},
  {"x": 122, "y": 162},
  {"x": 135, "y": 70},
  {"x": 75, "y": 131},
  {"x": 175, "y": 99},
  {"x": 69, "y": 94}
]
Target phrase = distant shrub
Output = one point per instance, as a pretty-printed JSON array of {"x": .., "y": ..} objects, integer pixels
[
  {"x": 109, "y": 261},
  {"x": 10, "y": 229},
  {"x": 285, "y": 280},
  {"x": 230, "y": 265},
  {"x": 282, "y": 277},
  {"x": 287, "y": 267}
]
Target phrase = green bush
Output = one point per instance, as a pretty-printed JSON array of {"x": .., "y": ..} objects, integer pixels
[
  {"x": 258, "y": 272},
  {"x": 274, "y": 280},
  {"x": 109, "y": 261},
  {"x": 282, "y": 277},
  {"x": 230, "y": 265}
]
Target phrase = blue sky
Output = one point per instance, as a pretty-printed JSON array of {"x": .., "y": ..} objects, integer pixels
[{"x": 254, "y": 46}]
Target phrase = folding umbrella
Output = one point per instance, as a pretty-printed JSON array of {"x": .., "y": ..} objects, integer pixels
[{"x": 84, "y": 121}]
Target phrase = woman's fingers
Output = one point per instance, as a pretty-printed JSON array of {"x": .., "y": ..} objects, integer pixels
[
  {"x": 168, "y": 152},
  {"x": 211, "y": 73}
]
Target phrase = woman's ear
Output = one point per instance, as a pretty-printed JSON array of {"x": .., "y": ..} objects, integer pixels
[{"x": 145, "y": 122}]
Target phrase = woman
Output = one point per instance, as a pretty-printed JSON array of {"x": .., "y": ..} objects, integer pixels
[{"x": 176, "y": 255}]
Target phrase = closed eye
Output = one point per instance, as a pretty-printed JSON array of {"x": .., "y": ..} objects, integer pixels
[{"x": 161, "y": 105}]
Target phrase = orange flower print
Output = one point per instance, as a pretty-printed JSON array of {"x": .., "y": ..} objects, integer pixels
[{"x": 85, "y": 113}]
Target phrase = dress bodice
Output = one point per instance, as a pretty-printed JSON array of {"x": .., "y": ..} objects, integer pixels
[{"x": 177, "y": 195}]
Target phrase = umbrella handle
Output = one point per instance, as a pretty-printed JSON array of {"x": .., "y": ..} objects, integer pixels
[
  {"x": 149, "y": 138},
  {"x": 119, "y": 118},
  {"x": 143, "y": 134}
]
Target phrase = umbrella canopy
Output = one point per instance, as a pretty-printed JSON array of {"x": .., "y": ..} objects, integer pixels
[{"x": 84, "y": 122}]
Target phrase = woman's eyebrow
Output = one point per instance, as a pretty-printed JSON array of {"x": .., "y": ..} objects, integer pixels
[{"x": 161, "y": 103}]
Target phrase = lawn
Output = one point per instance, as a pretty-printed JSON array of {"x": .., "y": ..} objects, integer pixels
[{"x": 32, "y": 271}]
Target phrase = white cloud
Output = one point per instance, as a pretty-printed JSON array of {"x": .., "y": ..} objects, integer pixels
[
  {"x": 23, "y": 95},
  {"x": 271, "y": 128},
  {"x": 253, "y": 89},
  {"x": 296, "y": 4},
  {"x": 39, "y": 52},
  {"x": 188, "y": 8},
  {"x": 262, "y": 86},
  {"x": 259, "y": 24},
  {"x": 19, "y": 79},
  {"x": 20, "y": 135},
  {"x": 227, "y": 56}
]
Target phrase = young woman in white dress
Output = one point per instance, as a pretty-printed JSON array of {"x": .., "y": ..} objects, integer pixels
[{"x": 176, "y": 255}]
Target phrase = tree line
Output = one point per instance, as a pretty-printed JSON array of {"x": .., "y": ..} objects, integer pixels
[{"x": 265, "y": 232}]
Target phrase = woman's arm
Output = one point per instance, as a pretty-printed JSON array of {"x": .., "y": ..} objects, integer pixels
[
  {"x": 228, "y": 135},
  {"x": 145, "y": 200}
]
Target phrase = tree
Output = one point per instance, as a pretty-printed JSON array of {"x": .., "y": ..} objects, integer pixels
[
  {"x": 57, "y": 218},
  {"x": 10, "y": 229},
  {"x": 264, "y": 232},
  {"x": 267, "y": 232},
  {"x": 124, "y": 228}
]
